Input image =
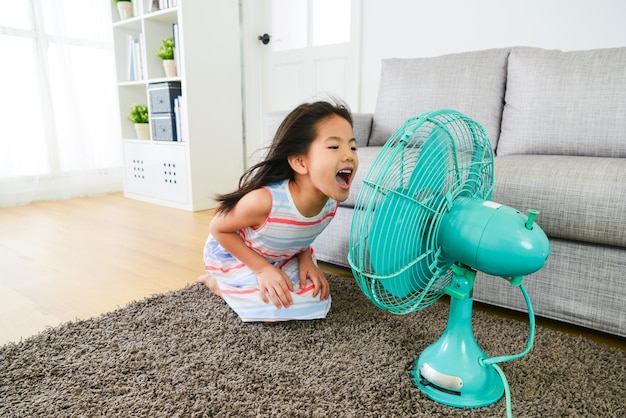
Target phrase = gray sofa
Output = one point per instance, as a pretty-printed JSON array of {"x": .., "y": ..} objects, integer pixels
[{"x": 557, "y": 123}]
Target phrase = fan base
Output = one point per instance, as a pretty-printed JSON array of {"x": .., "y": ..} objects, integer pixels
[
  {"x": 451, "y": 370},
  {"x": 460, "y": 399}
]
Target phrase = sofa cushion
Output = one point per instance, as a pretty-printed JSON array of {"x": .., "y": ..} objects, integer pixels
[
  {"x": 362, "y": 127},
  {"x": 580, "y": 198},
  {"x": 472, "y": 83},
  {"x": 567, "y": 103},
  {"x": 333, "y": 244}
]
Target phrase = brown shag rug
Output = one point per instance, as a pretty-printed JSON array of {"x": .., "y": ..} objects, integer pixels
[{"x": 185, "y": 354}]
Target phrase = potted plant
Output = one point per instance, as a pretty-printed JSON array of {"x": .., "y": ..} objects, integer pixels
[
  {"x": 166, "y": 53},
  {"x": 124, "y": 8},
  {"x": 139, "y": 116}
]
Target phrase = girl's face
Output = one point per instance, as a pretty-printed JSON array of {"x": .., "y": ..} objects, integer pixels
[{"x": 332, "y": 159}]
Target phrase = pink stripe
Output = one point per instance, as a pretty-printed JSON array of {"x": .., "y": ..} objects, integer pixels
[
  {"x": 294, "y": 222},
  {"x": 255, "y": 289},
  {"x": 284, "y": 263},
  {"x": 239, "y": 292},
  {"x": 249, "y": 244},
  {"x": 223, "y": 270},
  {"x": 306, "y": 289}
]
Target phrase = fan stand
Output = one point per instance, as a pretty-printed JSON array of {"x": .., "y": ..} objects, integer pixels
[{"x": 451, "y": 371}]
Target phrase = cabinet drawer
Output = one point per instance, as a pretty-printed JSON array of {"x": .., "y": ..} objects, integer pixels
[
  {"x": 170, "y": 172},
  {"x": 138, "y": 169}
]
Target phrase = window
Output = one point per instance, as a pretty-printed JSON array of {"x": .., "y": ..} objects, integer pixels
[{"x": 57, "y": 96}]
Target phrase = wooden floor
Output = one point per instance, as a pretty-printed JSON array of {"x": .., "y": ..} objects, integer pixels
[{"x": 75, "y": 259}]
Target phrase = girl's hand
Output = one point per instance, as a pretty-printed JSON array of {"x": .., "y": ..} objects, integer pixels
[
  {"x": 273, "y": 282},
  {"x": 309, "y": 270}
]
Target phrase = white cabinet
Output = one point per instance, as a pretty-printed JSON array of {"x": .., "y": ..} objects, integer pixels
[
  {"x": 209, "y": 158},
  {"x": 156, "y": 172}
]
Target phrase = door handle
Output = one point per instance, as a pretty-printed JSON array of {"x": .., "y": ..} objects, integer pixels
[{"x": 265, "y": 38}]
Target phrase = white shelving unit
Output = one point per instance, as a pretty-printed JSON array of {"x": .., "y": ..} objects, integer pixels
[{"x": 210, "y": 157}]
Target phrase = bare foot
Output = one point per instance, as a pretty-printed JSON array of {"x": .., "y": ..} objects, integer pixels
[{"x": 210, "y": 282}]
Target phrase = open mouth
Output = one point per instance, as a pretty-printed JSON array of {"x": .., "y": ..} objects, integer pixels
[{"x": 344, "y": 177}]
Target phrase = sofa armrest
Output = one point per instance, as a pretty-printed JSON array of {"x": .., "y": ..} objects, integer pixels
[{"x": 362, "y": 126}]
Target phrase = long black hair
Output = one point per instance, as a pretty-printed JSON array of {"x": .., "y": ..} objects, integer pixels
[{"x": 293, "y": 137}]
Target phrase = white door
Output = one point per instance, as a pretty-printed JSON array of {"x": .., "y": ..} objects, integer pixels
[{"x": 310, "y": 52}]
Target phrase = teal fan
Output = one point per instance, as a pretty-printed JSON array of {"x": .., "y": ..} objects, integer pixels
[{"x": 423, "y": 224}]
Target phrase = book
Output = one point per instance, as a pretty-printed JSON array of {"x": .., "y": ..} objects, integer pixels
[
  {"x": 135, "y": 70},
  {"x": 176, "y": 48},
  {"x": 178, "y": 118},
  {"x": 141, "y": 71},
  {"x": 130, "y": 70}
]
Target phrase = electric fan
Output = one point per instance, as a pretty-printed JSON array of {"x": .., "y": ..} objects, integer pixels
[{"x": 423, "y": 224}]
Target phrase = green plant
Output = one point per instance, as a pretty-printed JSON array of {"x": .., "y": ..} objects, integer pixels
[
  {"x": 138, "y": 114},
  {"x": 121, "y": 1},
  {"x": 166, "y": 51}
]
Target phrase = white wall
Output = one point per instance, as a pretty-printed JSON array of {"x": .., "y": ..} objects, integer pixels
[{"x": 425, "y": 28}]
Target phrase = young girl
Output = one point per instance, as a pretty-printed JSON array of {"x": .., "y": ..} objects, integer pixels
[{"x": 258, "y": 255}]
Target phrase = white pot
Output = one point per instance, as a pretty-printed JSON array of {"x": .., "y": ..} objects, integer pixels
[
  {"x": 170, "y": 68},
  {"x": 125, "y": 9},
  {"x": 143, "y": 130}
]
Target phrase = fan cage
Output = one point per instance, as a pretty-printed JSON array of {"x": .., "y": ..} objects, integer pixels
[{"x": 429, "y": 162}]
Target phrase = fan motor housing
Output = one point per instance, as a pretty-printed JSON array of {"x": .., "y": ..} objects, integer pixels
[{"x": 493, "y": 238}]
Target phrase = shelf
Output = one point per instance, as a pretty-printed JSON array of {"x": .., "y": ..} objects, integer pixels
[
  {"x": 136, "y": 83},
  {"x": 132, "y": 23},
  {"x": 165, "y": 15},
  {"x": 209, "y": 160},
  {"x": 153, "y": 142}
]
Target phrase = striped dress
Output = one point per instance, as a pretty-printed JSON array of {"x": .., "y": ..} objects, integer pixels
[{"x": 284, "y": 234}]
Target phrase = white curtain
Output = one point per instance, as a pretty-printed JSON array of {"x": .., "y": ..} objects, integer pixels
[{"x": 59, "y": 125}]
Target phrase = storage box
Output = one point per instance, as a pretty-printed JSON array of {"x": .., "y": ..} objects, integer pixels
[
  {"x": 163, "y": 127},
  {"x": 162, "y": 96}
]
